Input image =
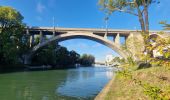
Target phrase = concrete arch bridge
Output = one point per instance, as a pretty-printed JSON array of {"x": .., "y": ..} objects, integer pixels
[{"x": 98, "y": 35}]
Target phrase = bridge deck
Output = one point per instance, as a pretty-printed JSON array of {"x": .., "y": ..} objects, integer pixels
[{"x": 49, "y": 30}]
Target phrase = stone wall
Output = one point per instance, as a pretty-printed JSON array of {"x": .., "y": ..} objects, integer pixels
[{"x": 135, "y": 45}]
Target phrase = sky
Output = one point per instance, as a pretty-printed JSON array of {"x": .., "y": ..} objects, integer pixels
[{"x": 84, "y": 14}]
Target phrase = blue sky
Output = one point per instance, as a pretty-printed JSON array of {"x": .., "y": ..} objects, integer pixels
[{"x": 83, "y": 14}]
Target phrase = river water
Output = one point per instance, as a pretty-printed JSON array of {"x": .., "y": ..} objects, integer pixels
[{"x": 82, "y": 83}]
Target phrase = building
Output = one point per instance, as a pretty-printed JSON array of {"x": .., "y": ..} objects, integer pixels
[{"x": 108, "y": 59}]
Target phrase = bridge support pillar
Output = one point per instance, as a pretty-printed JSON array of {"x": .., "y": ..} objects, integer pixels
[
  {"x": 41, "y": 37},
  {"x": 117, "y": 39},
  {"x": 105, "y": 35},
  {"x": 27, "y": 31},
  {"x": 53, "y": 33},
  {"x": 31, "y": 40}
]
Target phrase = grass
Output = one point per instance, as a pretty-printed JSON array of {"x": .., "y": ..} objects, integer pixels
[{"x": 152, "y": 84}]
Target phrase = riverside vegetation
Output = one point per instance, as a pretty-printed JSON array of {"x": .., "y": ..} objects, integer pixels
[
  {"x": 147, "y": 78},
  {"x": 14, "y": 45}
]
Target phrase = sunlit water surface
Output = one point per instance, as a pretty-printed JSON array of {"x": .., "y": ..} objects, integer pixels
[{"x": 82, "y": 83}]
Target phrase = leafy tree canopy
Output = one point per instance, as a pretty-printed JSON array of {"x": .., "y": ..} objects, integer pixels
[
  {"x": 11, "y": 28},
  {"x": 135, "y": 7},
  {"x": 9, "y": 17}
]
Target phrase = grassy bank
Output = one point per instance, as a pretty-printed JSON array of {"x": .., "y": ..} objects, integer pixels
[{"x": 144, "y": 84}]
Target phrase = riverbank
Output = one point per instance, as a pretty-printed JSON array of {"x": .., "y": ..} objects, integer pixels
[
  {"x": 105, "y": 90},
  {"x": 144, "y": 84},
  {"x": 22, "y": 67}
]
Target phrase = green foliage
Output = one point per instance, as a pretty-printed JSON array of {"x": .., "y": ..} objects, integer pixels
[
  {"x": 124, "y": 5},
  {"x": 87, "y": 60},
  {"x": 152, "y": 91},
  {"x": 131, "y": 61},
  {"x": 56, "y": 56},
  {"x": 45, "y": 56},
  {"x": 12, "y": 45},
  {"x": 119, "y": 60},
  {"x": 157, "y": 45},
  {"x": 74, "y": 57},
  {"x": 165, "y": 25},
  {"x": 65, "y": 57},
  {"x": 9, "y": 17},
  {"x": 162, "y": 46},
  {"x": 125, "y": 73}
]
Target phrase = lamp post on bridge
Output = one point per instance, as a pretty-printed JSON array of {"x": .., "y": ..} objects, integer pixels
[
  {"x": 54, "y": 30},
  {"x": 106, "y": 23},
  {"x": 53, "y": 27}
]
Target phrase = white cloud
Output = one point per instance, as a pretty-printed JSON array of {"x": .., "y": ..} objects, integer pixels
[{"x": 40, "y": 7}]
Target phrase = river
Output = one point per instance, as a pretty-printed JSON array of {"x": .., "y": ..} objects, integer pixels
[{"x": 82, "y": 83}]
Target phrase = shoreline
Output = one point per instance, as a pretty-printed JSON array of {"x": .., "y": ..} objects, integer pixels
[{"x": 102, "y": 94}]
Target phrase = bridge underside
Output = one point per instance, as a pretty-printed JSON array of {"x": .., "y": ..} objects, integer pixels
[{"x": 84, "y": 35}]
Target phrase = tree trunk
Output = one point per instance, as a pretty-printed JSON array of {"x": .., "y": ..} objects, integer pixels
[
  {"x": 147, "y": 39},
  {"x": 140, "y": 16},
  {"x": 146, "y": 19},
  {"x": 142, "y": 24}
]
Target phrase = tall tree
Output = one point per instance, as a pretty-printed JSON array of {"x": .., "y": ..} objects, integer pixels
[
  {"x": 11, "y": 28},
  {"x": 137, "y": 8}
]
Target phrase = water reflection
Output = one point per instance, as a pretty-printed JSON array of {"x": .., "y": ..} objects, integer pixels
[
  {"x": 69, "y": 84},
  {"x": 86, "y": 83}
]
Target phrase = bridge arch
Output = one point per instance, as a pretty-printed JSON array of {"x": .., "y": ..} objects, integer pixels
[{"x": 84, "y": 35}]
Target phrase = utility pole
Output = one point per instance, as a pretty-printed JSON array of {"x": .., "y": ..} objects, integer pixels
[
  {"x": 53, "y": 26},
  {"x": 106, "y": 23},
  {"x": 54, "y": 30}
]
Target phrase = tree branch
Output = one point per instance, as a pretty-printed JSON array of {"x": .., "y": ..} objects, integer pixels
[
  {"x": 130, "y": 3},
  {"x": 127, "y": 11},
  {"x": 148, "y": 2},
  {"x": 143, "y": 11},
  {"x": 143, "y": 2}
]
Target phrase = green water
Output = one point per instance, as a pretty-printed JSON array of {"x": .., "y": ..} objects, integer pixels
[{"x": 71, "y": 84}]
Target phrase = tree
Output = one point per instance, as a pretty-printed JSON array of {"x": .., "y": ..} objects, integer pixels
[
  {"x": 137, "y": 8},
  {"x": 62, "y": 56},
  {"x": 74, "y": 57},
  {"x": 56, "y": 56},
  {"x": 45, "y": 56},
  {"x": 11, "y": 28},
  {"x": 87, "y": 60}
]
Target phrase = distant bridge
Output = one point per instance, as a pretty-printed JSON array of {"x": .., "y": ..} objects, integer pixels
[
  {"x": 98, "y": 35},
  {"x": 100, "y": 63}
]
